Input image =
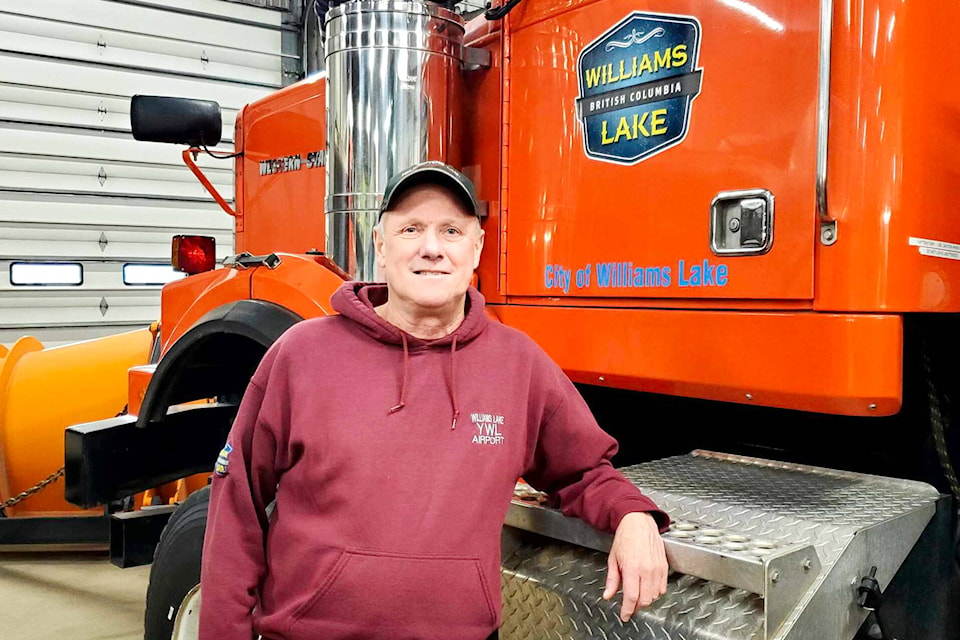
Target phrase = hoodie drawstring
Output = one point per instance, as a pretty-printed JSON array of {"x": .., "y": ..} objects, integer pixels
[
  {"x": 403, "y": 381},
  {"x": 453, "y": 381}
]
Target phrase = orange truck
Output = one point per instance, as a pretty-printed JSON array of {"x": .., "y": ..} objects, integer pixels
[{"x": 729, "y": 221}]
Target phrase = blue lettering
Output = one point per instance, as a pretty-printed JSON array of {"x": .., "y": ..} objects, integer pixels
[
  {"x": 555, "y": 276},
  {"x": 652, "y": 277},
  {"x": 603, "y": 274},
  {"x": 624, "y": 275},
  {"x": 703, "y": 275},
  {"x": 695, "y": 276},
  {"x": 708, "y": 270}
]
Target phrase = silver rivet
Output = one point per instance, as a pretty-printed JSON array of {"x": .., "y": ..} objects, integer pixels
[
  {"x": 601, "y": 378},
  {"x": 734, "y": 224},
  {"x": 872, "y": 407},
  {"x": 774, "y": 576},
  {"x": 749, "y": 396},
  {"x": 807, "y": 564}
]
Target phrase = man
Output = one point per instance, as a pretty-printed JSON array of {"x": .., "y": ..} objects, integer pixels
[{"x": 390, "y": 438}]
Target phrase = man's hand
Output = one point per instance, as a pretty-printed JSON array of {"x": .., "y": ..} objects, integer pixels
[{"x": 638, "y": 560}]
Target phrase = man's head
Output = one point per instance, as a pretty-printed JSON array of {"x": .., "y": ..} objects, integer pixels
[{"x": 428, "y": 239}]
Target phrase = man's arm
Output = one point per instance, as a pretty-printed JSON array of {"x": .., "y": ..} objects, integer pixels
[
  {"x": 244, "y": 483},
  {"x": 571, "y": 462}
]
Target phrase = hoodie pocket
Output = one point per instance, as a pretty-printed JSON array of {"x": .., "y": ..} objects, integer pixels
[{"x": 419, "y": 594}]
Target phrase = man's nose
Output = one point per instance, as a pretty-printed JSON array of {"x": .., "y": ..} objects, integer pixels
[{"x": 432, "y": 246}]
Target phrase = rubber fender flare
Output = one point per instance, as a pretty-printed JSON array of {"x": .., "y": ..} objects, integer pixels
[
  {"x": 176, "y": 565},
  {"x": 215, "y": 357}
]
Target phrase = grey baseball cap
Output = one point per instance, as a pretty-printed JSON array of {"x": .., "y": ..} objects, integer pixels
[{"x": 431, "y": 172}]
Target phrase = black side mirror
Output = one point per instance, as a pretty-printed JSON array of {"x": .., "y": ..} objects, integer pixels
[{"x": 177, "y": 120}]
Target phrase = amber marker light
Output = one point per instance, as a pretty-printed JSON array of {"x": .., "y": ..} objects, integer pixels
[{"x": 194, "y": 254}]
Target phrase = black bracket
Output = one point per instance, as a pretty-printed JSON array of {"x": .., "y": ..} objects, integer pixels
[
  {"x": 111, "y": 459},
  {"x": 870, "y": 598},
  {"x": 246, "y": 260},
  {"x": 134, "y": 535}
]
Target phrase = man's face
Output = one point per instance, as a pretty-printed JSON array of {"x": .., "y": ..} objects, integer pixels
[{"x": 428, "y": 246}]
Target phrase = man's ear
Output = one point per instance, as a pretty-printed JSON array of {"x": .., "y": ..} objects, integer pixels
[
  {"x": 378, "y": 244},
  {"x": 479, "y": 247}
]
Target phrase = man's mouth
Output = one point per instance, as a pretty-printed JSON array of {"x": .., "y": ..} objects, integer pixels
[{"x": 427, "y": 272}]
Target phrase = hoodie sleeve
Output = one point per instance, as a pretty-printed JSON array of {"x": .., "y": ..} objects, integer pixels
[
  {"x": 571, "y": 462},
  {"x": 244, "y": 483}
]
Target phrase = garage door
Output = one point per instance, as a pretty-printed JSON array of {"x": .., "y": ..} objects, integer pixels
[{"x": 86, "y": 212}]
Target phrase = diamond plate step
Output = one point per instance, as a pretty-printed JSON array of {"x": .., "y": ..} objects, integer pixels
[{"x": 760, "y": 550}]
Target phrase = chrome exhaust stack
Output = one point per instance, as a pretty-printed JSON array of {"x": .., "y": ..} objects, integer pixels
[{"x": 394, "y": 85}]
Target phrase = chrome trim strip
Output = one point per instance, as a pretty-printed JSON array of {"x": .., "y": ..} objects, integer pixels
[{"x": 823, "y": 106}]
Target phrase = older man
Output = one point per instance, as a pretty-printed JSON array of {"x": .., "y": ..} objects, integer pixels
[{"x": 390, "y": 438}]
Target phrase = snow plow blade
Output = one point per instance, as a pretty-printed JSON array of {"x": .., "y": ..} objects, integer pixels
[{"x": 42, "y": 392}]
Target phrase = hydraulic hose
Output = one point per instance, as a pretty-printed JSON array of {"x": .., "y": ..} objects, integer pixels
[
  {"x": 939, "y": 408},
  {"x": 501, "y": 12}
]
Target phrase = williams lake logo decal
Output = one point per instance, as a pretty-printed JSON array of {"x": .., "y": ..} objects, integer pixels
[{"x": 637, "y": 84}]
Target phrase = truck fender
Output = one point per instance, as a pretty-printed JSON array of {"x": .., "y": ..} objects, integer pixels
[{"x": 215, "y": 357}]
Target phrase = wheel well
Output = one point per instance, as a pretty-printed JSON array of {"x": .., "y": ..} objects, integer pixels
[{"x": 216, "y": 357}]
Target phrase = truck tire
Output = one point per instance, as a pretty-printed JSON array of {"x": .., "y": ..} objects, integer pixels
[{"x": 176, "y": 565}]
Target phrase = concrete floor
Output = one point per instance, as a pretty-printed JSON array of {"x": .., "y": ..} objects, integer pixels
[{"x": 74, "y": 595}]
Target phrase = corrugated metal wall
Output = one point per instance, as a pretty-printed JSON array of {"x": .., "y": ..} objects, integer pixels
[{"x": 74, "y": 186}]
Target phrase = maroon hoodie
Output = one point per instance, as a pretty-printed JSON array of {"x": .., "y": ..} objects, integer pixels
[{"x": 392, "y": 461}]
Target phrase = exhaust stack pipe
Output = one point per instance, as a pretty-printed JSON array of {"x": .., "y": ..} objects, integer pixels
[{"x": 394, "y": 85}]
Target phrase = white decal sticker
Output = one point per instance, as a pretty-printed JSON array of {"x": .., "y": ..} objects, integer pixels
[{"x": 936, "y": 248}]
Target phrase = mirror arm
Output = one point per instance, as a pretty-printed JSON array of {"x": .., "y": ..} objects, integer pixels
[{"x": 189, "y": 159}]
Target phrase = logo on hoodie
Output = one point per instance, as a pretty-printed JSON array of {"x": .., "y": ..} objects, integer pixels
[
  {"x": 488, "y": 428},
  {"x": 223, "y": 461}
]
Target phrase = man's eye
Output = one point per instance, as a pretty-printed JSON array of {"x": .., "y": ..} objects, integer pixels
[
  {"x": 408, "y": 230},
  {"x": 452, "y": 231}
]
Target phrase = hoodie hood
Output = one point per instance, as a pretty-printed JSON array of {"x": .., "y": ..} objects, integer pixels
[{"x": 356, "y": 301}]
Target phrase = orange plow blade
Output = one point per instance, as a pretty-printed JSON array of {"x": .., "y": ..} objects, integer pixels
[{"x": 42, "y": 392}]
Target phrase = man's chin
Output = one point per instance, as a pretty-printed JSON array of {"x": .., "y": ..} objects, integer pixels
[{"x": 437, "y": 300}]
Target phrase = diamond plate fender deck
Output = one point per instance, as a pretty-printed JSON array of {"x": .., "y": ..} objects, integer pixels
[{"x": 814, "y": 532}]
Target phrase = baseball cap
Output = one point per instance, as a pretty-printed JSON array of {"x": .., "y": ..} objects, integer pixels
[{"x": 431, "y": 172}]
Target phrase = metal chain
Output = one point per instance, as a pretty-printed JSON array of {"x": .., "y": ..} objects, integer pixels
[
  {"x": 43, "y": 484},
  {"x": 37, "y": 488}
]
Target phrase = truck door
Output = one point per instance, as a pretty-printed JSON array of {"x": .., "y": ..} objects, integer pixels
[{"x": 663, "y": 150}]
